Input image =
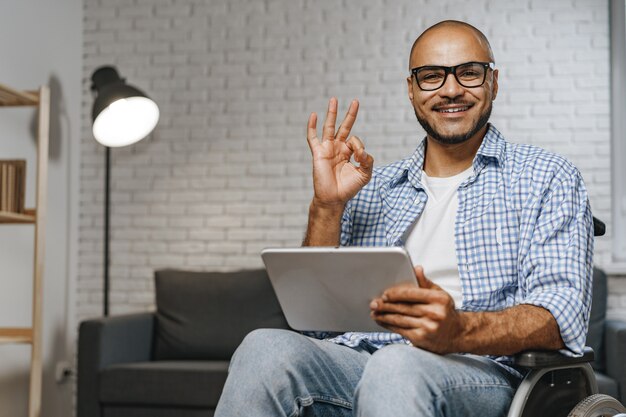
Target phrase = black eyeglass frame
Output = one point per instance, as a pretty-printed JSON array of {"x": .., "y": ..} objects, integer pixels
[{"x": 452, "y": 70}]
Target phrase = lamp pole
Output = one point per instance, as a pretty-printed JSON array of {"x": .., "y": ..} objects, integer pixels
[
  {"x": 107, "y": 214},
  {"x": 113, "y": 127}
]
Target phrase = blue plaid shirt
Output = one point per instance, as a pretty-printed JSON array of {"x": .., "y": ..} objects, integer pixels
[{"x": 523, "y": 232}]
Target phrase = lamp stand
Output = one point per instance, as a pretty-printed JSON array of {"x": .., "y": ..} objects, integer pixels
[
  {"x": 107, "y": 195},
  {"x": 111, "y": 127}
]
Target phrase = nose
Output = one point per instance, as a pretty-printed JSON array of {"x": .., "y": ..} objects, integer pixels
[{"x": 451, "y": 87}]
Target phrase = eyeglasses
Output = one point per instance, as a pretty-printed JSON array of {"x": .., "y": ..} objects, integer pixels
[{"x": 469, "y": 75}]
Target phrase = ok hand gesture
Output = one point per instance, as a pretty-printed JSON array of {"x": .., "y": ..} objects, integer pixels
[{"x": 335, "y": 179}]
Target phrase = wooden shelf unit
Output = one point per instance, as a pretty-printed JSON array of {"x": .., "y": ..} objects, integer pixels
[
  {"x": 16, "y": 335},
  {"x": 28, "y": 216},
  {"x": 13, "y": 98},
  {"x": 40, "y": 99}
]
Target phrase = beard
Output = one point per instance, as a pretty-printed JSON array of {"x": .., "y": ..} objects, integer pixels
[{"x": 458, "y": 138}]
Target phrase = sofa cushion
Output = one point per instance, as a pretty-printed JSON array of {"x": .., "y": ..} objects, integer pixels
[
  {"x": 206, "y": 315},
  {"x": 166, "y": 383},
  {"x": 595, "y": 334}
]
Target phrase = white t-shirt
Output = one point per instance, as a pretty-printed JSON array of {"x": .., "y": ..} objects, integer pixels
[{"x": 430, "y": 242}]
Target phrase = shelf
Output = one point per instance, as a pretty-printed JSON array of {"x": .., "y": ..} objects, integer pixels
[
  {"x": 27, "y": 217},
  {"x": 16, "y": 335},
  {"x": 32, "y": 335},
  {"x": 10, "y": 97}
]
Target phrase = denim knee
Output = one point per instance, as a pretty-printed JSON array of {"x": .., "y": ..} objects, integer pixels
[
  {"x": 394, "y": 373},
  {"x": 264, "y": 350},
  {"x": 403, "y": 380},
  {"x": 395, "y": 362},
  {"x": 282, "y": 373}
]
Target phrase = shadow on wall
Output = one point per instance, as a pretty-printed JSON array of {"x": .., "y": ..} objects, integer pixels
[
  {"x": 59, "y": 120},
  {"x": 54, "y": 398},
  {"x": 14, "y": 385}
]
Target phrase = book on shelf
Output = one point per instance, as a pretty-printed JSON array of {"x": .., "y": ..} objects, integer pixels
[{"x": 12, "y": 185}]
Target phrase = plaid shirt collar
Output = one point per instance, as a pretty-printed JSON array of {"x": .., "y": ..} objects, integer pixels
[
  {"x": 491, "y": 149},
  {"x": 402, "y": 207}
]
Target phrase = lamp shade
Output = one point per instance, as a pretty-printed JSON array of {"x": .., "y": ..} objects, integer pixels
[{"x": 122, "y": 114}]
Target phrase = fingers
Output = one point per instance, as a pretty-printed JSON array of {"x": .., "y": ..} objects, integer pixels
[
  {"x": 405, "y": 322},
  {"x": 348, "y": 121},
  {"x": 328, "y": 132},
  {"x": 413, "y": 294},
  {"x": 434, "y": 311},
  {"x": 365, "y": 160},
  {"x": 421, "y": 278},
  {"x": 355, "y": 145},
  {"x": 311, "y": 132}
]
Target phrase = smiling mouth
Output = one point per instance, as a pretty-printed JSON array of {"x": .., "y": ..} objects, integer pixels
[{"x": 452, "y": 109}]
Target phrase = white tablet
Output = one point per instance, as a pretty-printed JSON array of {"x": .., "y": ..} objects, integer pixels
[{"x": 330, "y": 289}]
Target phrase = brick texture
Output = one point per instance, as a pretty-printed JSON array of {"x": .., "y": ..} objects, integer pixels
[{"x": 227, "y": 171}]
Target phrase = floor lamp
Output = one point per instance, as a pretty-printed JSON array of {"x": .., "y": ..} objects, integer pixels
[{"x": 121, "y": 116}]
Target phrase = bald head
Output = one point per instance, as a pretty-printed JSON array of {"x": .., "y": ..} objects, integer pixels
[{"x": 443, "y": 30}]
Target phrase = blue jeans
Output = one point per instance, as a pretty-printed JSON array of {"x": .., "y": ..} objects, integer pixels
[{"x": 283, "y": 373}]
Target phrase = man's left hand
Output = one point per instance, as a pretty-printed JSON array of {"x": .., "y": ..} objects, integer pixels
[{"x": 424, "y": 314}]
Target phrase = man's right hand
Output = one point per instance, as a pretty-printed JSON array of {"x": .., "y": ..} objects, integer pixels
[{"x": 335, "y": 179}]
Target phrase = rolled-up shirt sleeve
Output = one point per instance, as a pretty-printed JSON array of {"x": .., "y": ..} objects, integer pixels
[{"x": 557, "y": 256}]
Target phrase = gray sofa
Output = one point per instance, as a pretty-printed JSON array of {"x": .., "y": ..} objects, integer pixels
[{"x": 174, "y": 362}]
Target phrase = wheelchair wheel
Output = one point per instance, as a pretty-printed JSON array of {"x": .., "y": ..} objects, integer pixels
[{"x": 597, "y": 405}]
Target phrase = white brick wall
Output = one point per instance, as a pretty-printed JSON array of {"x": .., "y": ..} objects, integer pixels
[{"x": 227, "y": 171}]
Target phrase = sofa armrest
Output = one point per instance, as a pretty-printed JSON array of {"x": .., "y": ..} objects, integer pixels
[
  {"x": 106, "y": 341},
  {"x": 615, "y": 348}
]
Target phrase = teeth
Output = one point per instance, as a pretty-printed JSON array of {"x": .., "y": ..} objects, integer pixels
[{"x": 455, "y": 110}]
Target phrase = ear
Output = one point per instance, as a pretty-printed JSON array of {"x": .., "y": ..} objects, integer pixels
[
  {"x": 409, "y": 85},
  {"x": 494, "y": 88}
]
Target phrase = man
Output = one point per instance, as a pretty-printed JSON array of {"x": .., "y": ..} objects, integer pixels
[{"x": 502, "y": 235}]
